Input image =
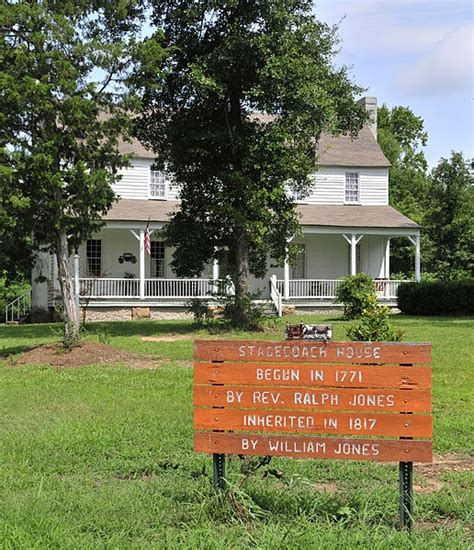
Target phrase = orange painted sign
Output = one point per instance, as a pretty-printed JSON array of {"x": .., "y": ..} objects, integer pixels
[{"x": 274, "y": 398}]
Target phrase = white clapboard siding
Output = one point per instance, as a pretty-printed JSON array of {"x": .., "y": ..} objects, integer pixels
[
  {"x": 328, "y": 186},
  {"x": 135, "y": 180}
]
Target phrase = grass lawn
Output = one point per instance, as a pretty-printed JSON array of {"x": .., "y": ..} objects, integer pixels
[{"x": 101, "y": 457}]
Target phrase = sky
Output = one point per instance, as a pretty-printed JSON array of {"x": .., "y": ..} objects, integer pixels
[{"x": 415, "y": 53}]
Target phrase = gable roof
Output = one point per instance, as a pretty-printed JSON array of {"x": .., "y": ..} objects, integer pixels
[
  {"x": 362, "y": 151},
  {"x": 345, "y": 151},
  {"x": 310, "y": 214}
]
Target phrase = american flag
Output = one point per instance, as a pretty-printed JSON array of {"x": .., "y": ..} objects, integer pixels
[{"x": 148, "y": 239}]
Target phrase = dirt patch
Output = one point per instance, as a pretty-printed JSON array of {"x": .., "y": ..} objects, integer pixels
[
  {"x": 87, "y": 353},
  {"x": 453, "y": 462},
  {"x": 167, "y": 338},
  {"x": 442, "y": 464}
]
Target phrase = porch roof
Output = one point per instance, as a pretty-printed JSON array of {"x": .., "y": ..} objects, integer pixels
[{"x": 134, "y": 210}]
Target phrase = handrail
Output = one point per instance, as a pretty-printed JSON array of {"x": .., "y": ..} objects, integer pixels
[
  {"x": 275, "y": 295},
  {"x": 18, "y": 308}
]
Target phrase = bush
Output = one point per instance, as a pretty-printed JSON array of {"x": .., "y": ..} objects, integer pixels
[
  {"x": 355, "y": 292},
  {"x": 200, "y": 311},
  {"x": 373, "y": 325},
  {"x": 437, "y": 298}
]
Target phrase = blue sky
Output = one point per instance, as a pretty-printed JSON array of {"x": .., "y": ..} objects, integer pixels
[{"x": 415, "y": 53}]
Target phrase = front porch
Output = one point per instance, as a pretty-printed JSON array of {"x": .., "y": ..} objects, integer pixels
[{"x": 114, "y": 269}]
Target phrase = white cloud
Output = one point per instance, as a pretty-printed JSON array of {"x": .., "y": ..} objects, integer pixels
[
  {"x": 446, "y": 68},
  {"x": 403, "y": 27}
]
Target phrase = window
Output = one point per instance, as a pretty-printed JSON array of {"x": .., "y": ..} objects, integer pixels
[
  {"x": 94, "y": 257},
  {"x": 157, "y": 254},
  {"x": 349, "y": 259},
  {"x": 298, "y": 271},
  {"x": 352, "y": 187},
  {"x": 157, "y": 184}
]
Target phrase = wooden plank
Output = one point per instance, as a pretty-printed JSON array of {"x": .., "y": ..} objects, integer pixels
[
  {"x": 246, "y": 397},
  {"x": 392, "y": 425},
  {"x": 320, "y": 375},
  {"x": 314, "y": 447},
  {"x": 311, "y": 351}
]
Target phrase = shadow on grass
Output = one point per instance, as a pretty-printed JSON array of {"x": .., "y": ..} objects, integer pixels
[{"x": 7, "y": 352}]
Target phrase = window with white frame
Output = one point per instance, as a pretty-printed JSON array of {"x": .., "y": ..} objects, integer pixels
[
  {"x": 157, "y": 184},
  {"x": 298, "y": 271},
  {"x": 157, "y": 255},
  {"x": 352, "y": 193},
  {"x": 349, "y": 260},
  {"x": 94, "y": 257}
]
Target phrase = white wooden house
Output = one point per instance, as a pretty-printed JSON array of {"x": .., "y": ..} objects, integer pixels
[{"x": 346, "y": 221}]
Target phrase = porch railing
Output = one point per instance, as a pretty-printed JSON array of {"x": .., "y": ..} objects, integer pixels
[
  {"x": 310, "y": 288},
  {"x": 109, "y": 288},
  {"x": 180, "y": 288},
  {"x": 95, "y": 288},
  {"x": 326, "y": 288}
]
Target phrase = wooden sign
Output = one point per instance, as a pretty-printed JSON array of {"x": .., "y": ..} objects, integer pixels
[{"x": 297, "y": 398}]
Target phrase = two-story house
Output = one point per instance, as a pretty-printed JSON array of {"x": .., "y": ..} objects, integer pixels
[{"x": 346, "y": 223}]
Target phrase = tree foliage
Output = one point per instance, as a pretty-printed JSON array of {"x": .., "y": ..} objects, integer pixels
[
  {"x": 59, "y": 155},
  {"x": 449, "y": 220},
  {"x": 203, "y": 77},
  {"x": 401, "y": 136}
]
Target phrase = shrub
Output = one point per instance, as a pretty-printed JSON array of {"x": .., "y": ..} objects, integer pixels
[
  {"x": 437, "y": 298},
  {"x": 373, "y": 325},
  {"x": 243, "y": 313},
  {"x": 355, "y": 292},
  {"x": 200, "y": 311}
]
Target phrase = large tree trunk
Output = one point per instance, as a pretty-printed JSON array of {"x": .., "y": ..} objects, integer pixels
[
  {"x": 241, "y": 278},
  {"x": 71, "y": 315}
]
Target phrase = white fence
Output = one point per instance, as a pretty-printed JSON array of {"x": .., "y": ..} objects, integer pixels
[
  {"x": 180, "y": 288},
  {"x": 326, "y": 288},
  {"x": 95, "y": 288},
  {"x": 109, "y": 288}
]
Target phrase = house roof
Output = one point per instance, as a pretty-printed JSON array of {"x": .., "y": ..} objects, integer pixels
[
  {"x": 383, "y": 216},
  {"x": 346, "y": 151},
  {"x": 362, "y": 151},
  {"x": 134, "y": 210}
]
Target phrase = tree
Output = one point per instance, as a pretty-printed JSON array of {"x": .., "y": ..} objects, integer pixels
[
  {"x": 448, "y": 220},
  {"x": 59, "y": 153},
  {"x": 225, "y": 61},
  {"x": 401, "y": 135}
]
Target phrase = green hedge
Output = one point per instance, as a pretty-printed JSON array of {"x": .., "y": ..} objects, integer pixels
[{"x": 437, "y": 298}]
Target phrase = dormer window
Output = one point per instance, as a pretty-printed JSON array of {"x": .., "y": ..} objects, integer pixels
[
  {"x": 352, "y": 191},
  {"x": 157, "y": 184}
]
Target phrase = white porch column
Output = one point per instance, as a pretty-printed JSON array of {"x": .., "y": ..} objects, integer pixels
[
  {"x": 417, "y": 258},
  {"x": 286, "y": 282},
  {"x": 353, "y": 254},
  {"x": 77, "y": 284},
  {"x": 142, "y": 264},
  {"x": 387, "y": 260},
  {"x": 416, "y": 241},
  {"x": 353, "y": 240},
  {"x": 215, "y": 270}
]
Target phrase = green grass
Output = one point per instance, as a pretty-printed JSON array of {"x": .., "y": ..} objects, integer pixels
[{"x": 102, "y": 457}]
